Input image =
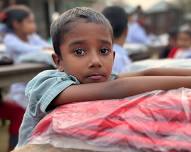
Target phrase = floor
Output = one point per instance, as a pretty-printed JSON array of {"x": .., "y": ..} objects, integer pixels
[{"x": 3, "y": 137}]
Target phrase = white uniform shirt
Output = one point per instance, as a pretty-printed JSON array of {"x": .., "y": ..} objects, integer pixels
[
  {"x": 121, "y": 60},
  {"x": 136, "y": 34},
  {"x": 15, "y": 48}
]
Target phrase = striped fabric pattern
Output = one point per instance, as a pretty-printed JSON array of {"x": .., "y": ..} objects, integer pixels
[{"x": 158, "y": 121}]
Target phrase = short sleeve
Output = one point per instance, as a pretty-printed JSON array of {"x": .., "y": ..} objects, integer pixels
[{"x": 43, "y": 88}]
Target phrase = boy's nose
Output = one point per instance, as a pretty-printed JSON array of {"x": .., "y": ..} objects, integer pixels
[{"x": 95, "y": 61}]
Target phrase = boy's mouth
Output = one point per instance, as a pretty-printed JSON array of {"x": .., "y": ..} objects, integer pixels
[{"x": 96, "y": 77}]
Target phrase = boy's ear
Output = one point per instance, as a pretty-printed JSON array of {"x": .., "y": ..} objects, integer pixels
[
  {"x": 58, "y": 62},
  {"x": 55, "y": 59}
]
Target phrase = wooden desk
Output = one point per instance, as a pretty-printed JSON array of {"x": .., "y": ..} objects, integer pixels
[{"x": 19, "y": 72}]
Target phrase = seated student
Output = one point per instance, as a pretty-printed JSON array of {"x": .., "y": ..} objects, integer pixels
[
  {"x": 136, "y": 29},
  {"x": 183, "y": 49},
  {"x": 172, "y": 43},
  {"x": 20, "y": 39},
  {"x": 118, "y": 20},
  {"x": 82, "y": 40}
]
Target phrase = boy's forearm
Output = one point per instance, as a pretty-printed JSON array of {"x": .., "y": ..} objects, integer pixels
[
  {"x": 159, "y": 72},
  {"x": 167, "y": 72},
  {"x": 120, "y": 88}
]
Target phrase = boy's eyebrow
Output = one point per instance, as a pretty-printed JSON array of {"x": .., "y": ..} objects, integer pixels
[
  {"x": 76, "y": 42},
  {"x": 106, "y": 42}
]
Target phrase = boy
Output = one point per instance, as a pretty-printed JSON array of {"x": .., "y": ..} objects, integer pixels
[
  {"x": 82, "y": 40},
  {"x": 183, "y": 49},
  {"x": 118, "y": 20}
]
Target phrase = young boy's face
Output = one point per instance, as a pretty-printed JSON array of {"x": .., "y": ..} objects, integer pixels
[
  {"x": 27, "y": 25},
  {"x": 87, "y": 52},
  {"x": 184, "y": 40}
]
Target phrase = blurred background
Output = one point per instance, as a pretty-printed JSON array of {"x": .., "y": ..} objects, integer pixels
[
  {"x": 159, "y": 18},
  {"x": 161, "y": 15}
]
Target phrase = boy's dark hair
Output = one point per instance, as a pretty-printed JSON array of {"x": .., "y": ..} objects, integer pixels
[
  {"x": 187, "y": 32},
  {"x": 118, "y": 19},
  {"x": 15, "y": 13},
  {"x": 173, "y": 33},
  {"x": 61, "y": 26},
  {"x": 185, "y": 29}
]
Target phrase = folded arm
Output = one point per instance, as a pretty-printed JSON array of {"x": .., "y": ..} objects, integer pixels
[
  {"x": 159, "y": 72},
  {"x": 120, "y": 88}
]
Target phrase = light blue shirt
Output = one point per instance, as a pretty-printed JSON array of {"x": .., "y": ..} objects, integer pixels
[
  {"x": 41, "y": 90},
  {"x": 183, "y": 53},
  {"x": 136, "y": 34},
  {"x": 15, "y": 47},
  {"x": 121, "y": 60}
]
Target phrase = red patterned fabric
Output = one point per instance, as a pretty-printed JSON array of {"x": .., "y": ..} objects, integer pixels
[{"x": 157, "y": 121}]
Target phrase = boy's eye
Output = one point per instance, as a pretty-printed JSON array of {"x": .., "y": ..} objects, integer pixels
[
  {"x": 104, "y": 51},
  {"x": 79, "y": 52}
]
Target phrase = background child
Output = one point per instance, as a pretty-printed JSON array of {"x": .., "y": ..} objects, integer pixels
[
  {"x": 20, "y": 39},
  {"x": 82, "y": 40},
  {"x": 118, "y": 20},
  {"x": 183, "y": 49},
  {"x": 172, "y": 43}
]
